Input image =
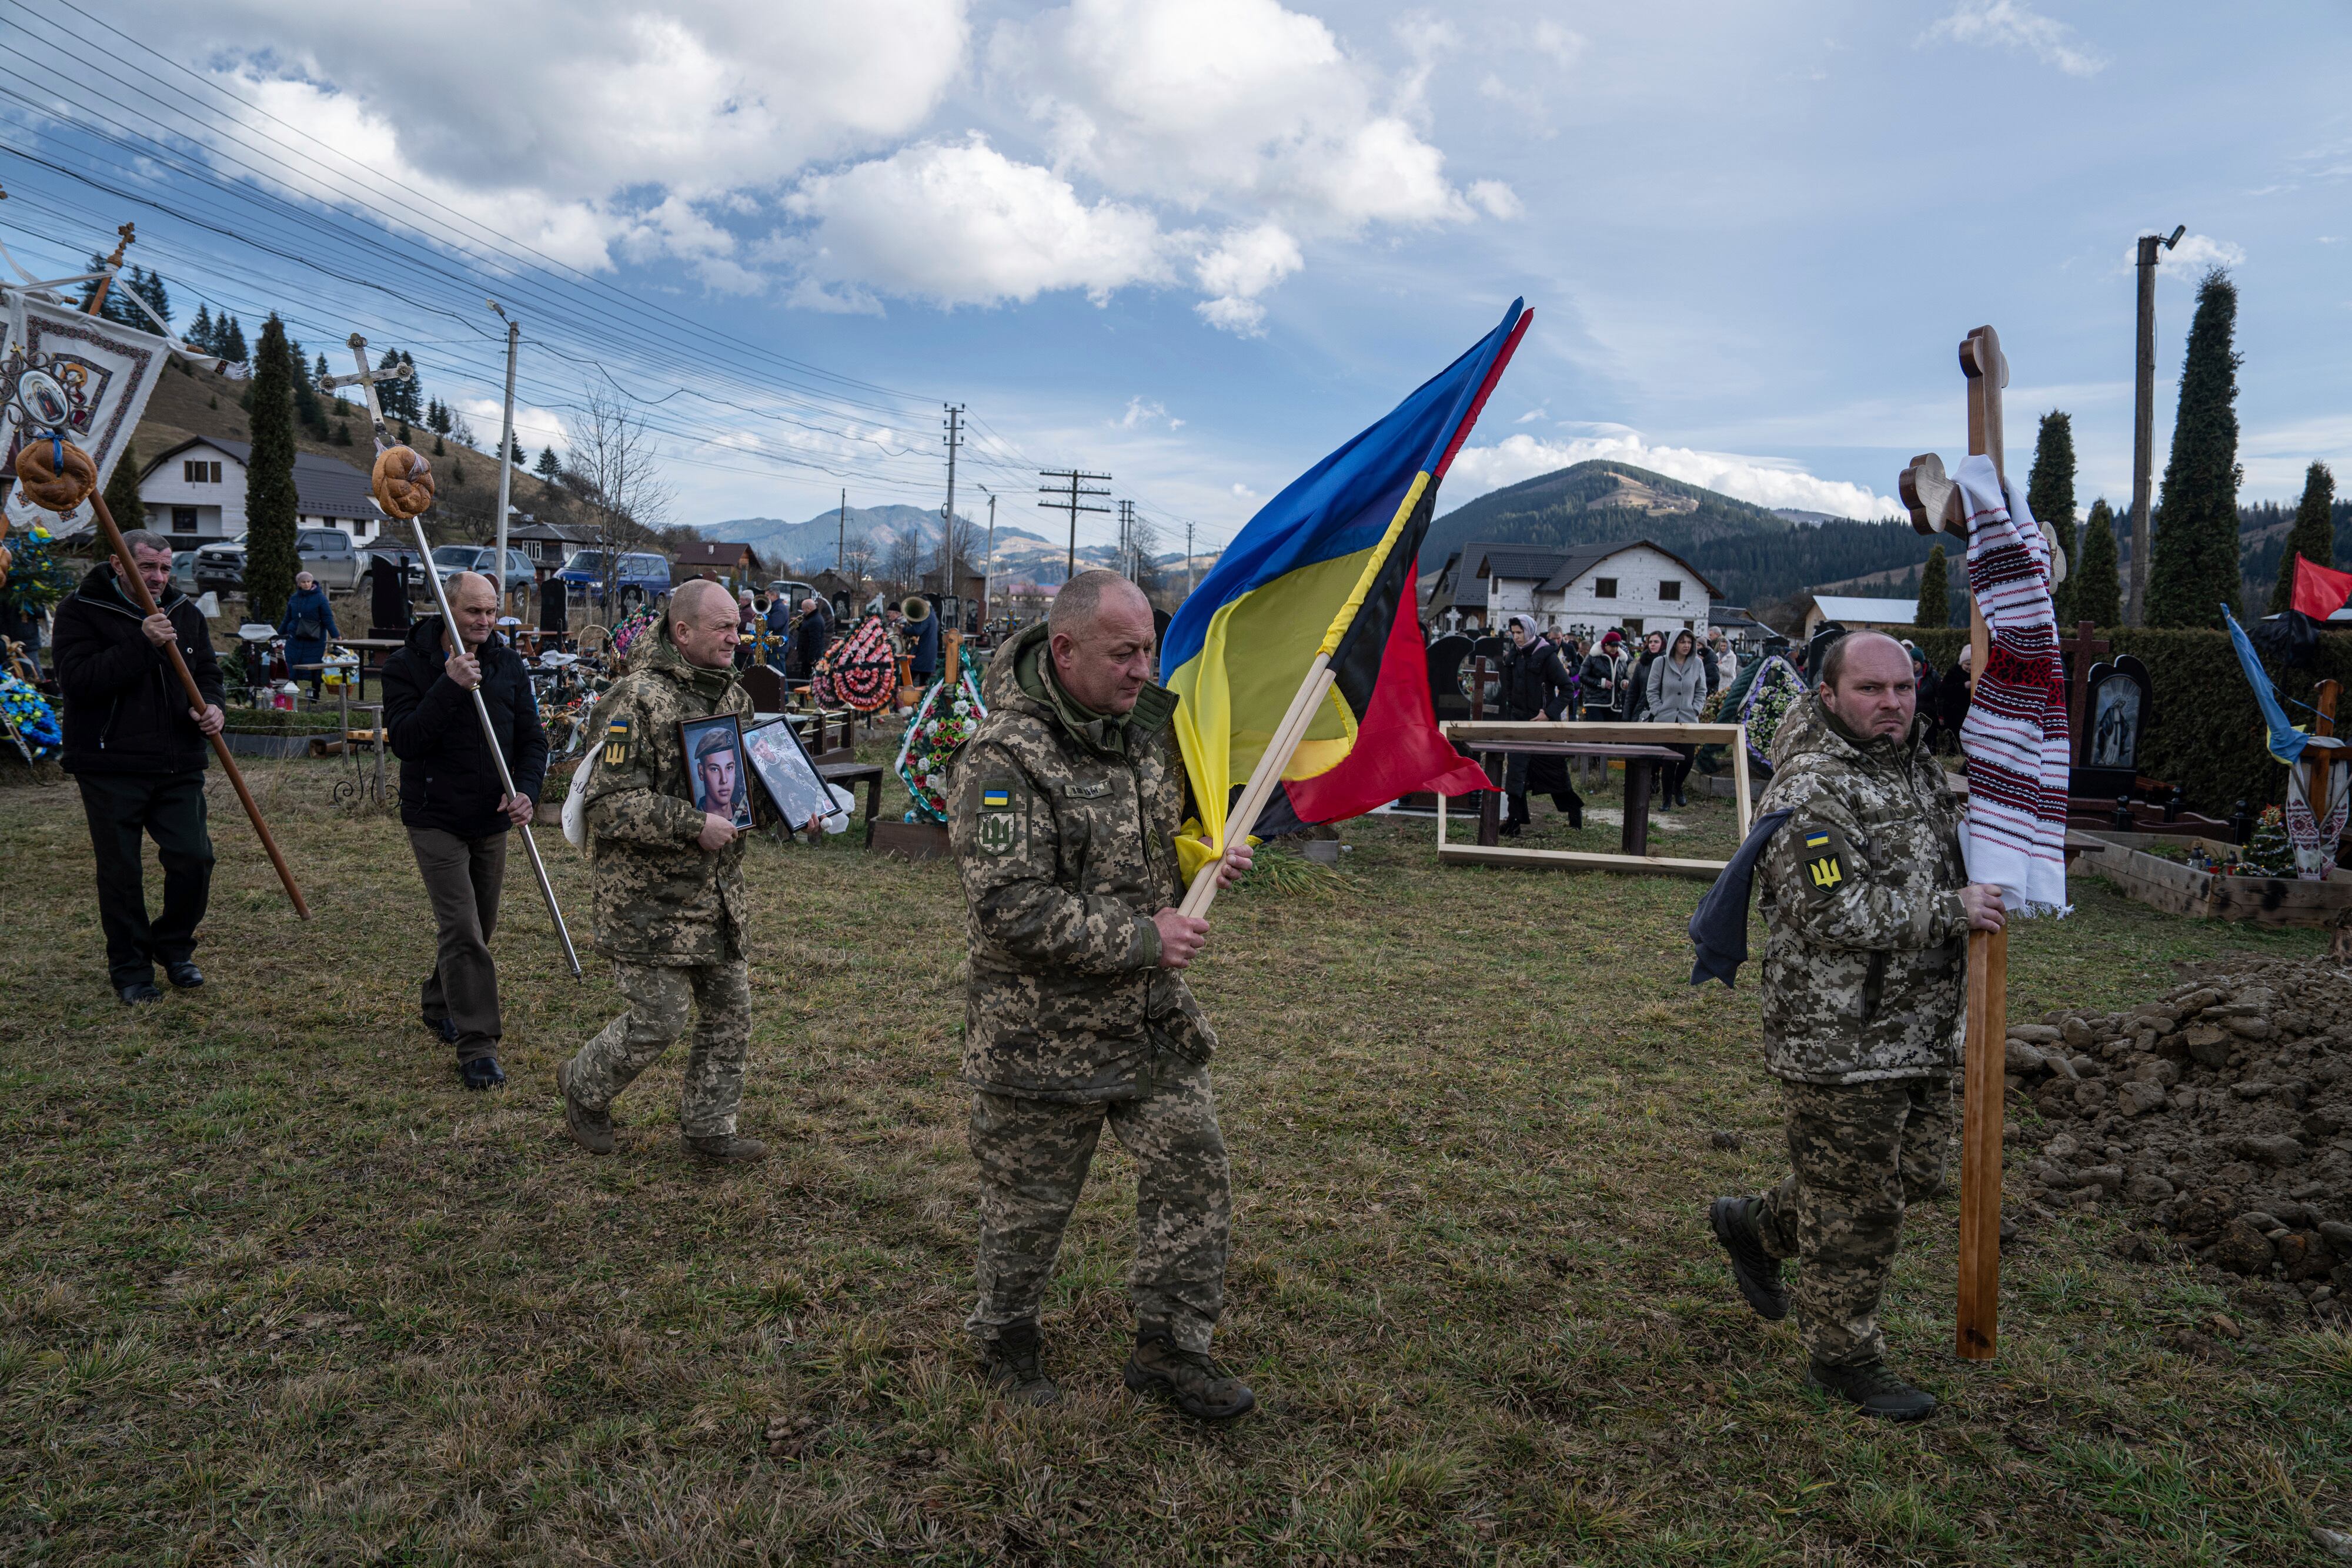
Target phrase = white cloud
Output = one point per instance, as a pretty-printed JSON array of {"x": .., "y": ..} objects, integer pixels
[
  {"x": 1766, "y": 481},
  {"x": 1195, "y": 102},
  {"x": 1498, "y": 199},
  {"x": 2010, "y": 24},
  {"x": 961, "y": 224},
  {"x": 1245, "y": 264},
  {"x": 560, "y": 123},
  {"x": 1562, "y": 44},
  {"x": 1142, "y": 412},
  {"x": 2191, "y": 256}
]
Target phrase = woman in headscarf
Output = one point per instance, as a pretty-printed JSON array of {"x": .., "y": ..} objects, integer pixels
[
  {"x": 308, "y": 622},
  {"x": 1676, "y": 695},
  {"x": 1532, "y": 672},
  {"x": 1637, "y": 684}
]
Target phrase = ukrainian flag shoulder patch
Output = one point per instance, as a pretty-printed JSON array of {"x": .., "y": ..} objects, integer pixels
[
  {"x": 995, "y": 798},
  {"x": 1824, "y": 862},
  {"x": 616, "y": 743}
]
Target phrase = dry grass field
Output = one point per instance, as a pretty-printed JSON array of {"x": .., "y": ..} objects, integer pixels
[{"x": 273, "y": 1289}]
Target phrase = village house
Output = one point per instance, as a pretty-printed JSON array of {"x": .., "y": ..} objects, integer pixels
[
  {"x": 194, "y": 494},
  {"x": 1584, "y": 591},
  {"x": 1899, "y": 616}
]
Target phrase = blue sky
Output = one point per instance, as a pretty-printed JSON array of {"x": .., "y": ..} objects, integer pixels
[{"x": 1196, "y": 245}]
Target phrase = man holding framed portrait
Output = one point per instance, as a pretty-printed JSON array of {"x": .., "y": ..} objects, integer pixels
[{"x": 722, "y": 784}]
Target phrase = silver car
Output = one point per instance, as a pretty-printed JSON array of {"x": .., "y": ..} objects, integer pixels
[{"x": 327, "y": 554}]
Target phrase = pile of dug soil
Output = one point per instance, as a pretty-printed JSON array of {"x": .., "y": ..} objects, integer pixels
[{"x": 2222, "y": 1111}]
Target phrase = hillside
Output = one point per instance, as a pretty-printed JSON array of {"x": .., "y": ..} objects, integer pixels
[
  {"x": 197, "y": 402},
  {"x": 1751, "y": 555},
  {"x": 812, "y": 546}
]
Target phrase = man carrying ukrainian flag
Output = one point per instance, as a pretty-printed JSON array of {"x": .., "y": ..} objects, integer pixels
[{"x": 1300, "y": 659}]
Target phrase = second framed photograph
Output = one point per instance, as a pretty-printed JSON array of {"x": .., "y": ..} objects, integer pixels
[
  {"x": 789, "y": 774},
  {"x": 714, "y": 764}
]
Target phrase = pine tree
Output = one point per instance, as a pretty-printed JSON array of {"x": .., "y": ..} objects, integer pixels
[
  {"x": 2049, "y": 497},
  {"x": 548, "y": 466},
  {"x": 411, "y": 388},
  {"x": 519, "y": 458},
  {"x": 2193, "y": 567},
  {"x": 150, "y": 288},
  {"x": 232, "y": 343},
  {"x": 440, "y": 419},
  {"x": 343, "y": 433},
  {"x": 200, "y": 331},
  {"x": 2312, "y": 537},
  {"x": 319, "y": 373},
  {"x": 1935, "y": 592},
  {"x": 270, "y": 503},
  {"x": 439, "y": 450},
  {"x": 2098, "y": 595},
  {"x": 122, "y": 491}
]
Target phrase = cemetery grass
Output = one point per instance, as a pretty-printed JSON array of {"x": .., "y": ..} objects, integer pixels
[{"x": 276, "y": 1291}]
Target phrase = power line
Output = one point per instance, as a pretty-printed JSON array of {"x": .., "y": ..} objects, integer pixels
[{"x": 1072, "y": 505}]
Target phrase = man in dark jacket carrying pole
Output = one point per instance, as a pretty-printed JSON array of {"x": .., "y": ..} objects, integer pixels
[
  {"x": 1868, "y": 907},
  {"x": 457, "y": 812},
  {"x": 137, "y": 750},
  {"x": 1063, "y": 817}
]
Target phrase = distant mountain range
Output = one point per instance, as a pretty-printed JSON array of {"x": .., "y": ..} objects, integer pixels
[
  {"x": 1752, "y": 555},
  {"x": 812, "y": 546}
]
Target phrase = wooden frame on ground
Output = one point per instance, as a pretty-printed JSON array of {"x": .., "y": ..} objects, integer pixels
[{"x": 1735, "y": 736}]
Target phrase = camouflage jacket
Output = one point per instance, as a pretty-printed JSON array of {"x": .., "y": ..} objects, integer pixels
[
  {"x": 660, "y": 898},
  {"x": 1064, "y": 825},
  {"x": 1865, "y": 959}
]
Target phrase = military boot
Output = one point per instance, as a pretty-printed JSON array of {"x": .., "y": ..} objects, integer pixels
[
  {"x": 592, "y": 1130},
  {"x": 1186, "y": 1379},
  {"x": 1756, "y": 1271},
  {"x": 1518, "y": 817},
  {"x": 1013, "y": 1360},
  {"x": 1872, "y": 1390},
  {"x": 726, "y": 1149}
]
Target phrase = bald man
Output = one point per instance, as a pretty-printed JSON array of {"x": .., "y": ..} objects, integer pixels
[
  {"x": 671, "y": 909},
  {"x": 456, "y": 810}
]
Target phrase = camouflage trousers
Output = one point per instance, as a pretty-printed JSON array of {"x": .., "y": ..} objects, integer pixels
[
  {"x": 1032, "y": 1156},
  {"x": 659, "y": 996},
  {"x": 1858, "y": 1153}
]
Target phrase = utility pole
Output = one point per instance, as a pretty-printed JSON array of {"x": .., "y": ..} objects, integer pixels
[
  {"x": 1066, "y": 499},
  {"x": 841, "y": 535},
  {"x": 506, "y": 445},
  {"x": 988, "y": 573},
  {"x": 1188, "y": 558},
  {"x": 1127, "y": 539},
  {"x": 2143, "y": 422},
  {"x": 947, "y": 533}
]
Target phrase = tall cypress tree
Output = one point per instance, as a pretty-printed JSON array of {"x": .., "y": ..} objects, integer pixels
[
  {"x": 270, "y": 505},
  {"x": 2193, "y": 567},
  {"x": 122, "y": 490},
  {"x": 2049, "y": 497},
  {"x": 2312, "y": 537},
  {"x": 1935, "y": 592},
  {"x": 2098, "y": 594}
]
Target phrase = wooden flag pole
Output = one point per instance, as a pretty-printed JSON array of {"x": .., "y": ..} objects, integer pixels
[
  {"x": 146, "y": 603},
  {"x": 1984, "y": 1088},
  {"x": 1304, "y": 705}
]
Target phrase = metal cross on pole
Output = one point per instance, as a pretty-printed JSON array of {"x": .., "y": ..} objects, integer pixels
[{"x": 366, "y": 381}]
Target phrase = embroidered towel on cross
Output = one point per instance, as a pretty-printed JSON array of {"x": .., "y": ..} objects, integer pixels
[{"x": 2015, "y": 739}]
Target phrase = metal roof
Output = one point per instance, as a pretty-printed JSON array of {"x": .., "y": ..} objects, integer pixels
[
  {"x": 1870, "y": 612},
  {"x": 322, "y": 486}
]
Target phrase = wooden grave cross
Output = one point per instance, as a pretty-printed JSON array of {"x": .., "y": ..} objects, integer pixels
[
  {"x": 2085, "y": 647},
  {"x": 1937, "y": 506}
]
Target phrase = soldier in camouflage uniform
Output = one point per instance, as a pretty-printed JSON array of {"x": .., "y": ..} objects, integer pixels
[
  {"x": 670, "y": 904},
  {"x": 1867, "y": 907},
  {"x": 1065, "y": 810}
]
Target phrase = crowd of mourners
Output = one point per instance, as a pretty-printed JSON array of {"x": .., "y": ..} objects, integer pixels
[{"x": 1665, "y": 678}]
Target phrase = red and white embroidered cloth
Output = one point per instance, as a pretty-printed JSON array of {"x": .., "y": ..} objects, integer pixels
[{"x": 2015, "y": 739}]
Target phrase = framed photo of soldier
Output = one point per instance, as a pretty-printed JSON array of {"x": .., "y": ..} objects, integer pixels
[
  {"x": 785, "y": 770},
  {"x": 715, "y": 766}
]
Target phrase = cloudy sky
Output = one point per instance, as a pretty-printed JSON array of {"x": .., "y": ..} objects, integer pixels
[{"x": 1196, "y": 243}]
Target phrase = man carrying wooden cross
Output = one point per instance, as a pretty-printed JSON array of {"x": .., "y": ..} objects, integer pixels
[
  {"x": 1063, "y": 819},
  {"x": 1867, "y": 905}
]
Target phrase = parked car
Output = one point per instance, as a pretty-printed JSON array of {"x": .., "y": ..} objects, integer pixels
[
  {"x": 395, "y": 550},
  {"x": 183, "y": 572},
  {"x": 326, "y": 554},
  {"x": 793, "y": 591},
  {"x": 452, "y": 559},
  {"x": 639, "y": 577}
]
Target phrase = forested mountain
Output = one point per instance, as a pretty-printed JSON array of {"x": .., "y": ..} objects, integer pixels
[{"x": 1751, "y": 555}]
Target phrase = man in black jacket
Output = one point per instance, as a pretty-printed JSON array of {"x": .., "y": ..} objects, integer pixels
[
  {"x": 455, "y": 810},
  {"x": 1532, "y": 673},
  {"x": 137, "y": 750},
  {"x": 811, "y": 637}
]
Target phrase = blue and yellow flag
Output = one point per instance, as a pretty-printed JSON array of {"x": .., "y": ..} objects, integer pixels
[{"x": 1327, "y": 566}]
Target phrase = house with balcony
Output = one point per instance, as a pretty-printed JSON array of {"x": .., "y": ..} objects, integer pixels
[{"x": 1584, "y": 591}]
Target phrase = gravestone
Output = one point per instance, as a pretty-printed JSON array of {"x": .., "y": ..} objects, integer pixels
[{"x": 2119, "y": 706}]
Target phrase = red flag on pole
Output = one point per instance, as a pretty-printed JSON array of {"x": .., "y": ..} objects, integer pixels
[{"x": 2319, "y": 592}]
